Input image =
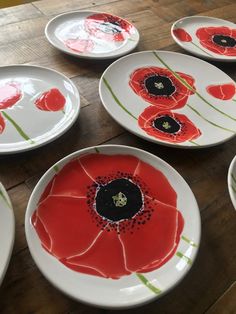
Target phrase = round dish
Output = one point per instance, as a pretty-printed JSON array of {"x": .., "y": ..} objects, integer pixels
[
  {"x": 7, "y": 231},
  {"x": 232, "y": 181},
  {"x": 154, "y": 95},
  {"x": 206, "y": 37},
  {"x": 115, "y": 176},
  {"x": 92, "y": 34},
  {"x": 37, "y": 105}
]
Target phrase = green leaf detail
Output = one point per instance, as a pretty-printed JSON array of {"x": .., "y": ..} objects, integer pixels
[
  {"x": 148, "y": 284},
  {"x": 188, "y": 241},
  {"x": 116, "y": 99},
  {"x": 187, "y": 259},
  {"x": 56, "y": 168},
  {"x": 97, "y": 150}
]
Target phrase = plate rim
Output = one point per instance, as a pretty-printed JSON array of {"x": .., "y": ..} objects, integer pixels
[
  {"x": 146, "y": 138},
  {"x": 198, "y": 54},
  {"x": 12, "y": 225},
  {"x": 80, "y": 55},
  {"x": 229, "y": 182},
  {"x": 59, "y": 134},
  {"x": 99, "y": 304}
]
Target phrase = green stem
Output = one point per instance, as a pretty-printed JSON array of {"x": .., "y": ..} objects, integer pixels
[
  {"x": 188, "y": 241},
  {"x": 194, "y": 143},
  {"x": 97, "y": 150},
  {"x": 234, "y": 99},
  {"x": 201, "y": 49},
  {"x": 187, "y": 259},
  {"x": 56, "y": 168},
  {"x": 212, "y": 123},
  {"x": 234, "y": 182},
  {"x": 116, "y": 99},
  {"x": 185, "y": 83},
  {"x": 5, "y": 199},
  {"x": 63, "y": 111},
  {"x": 148, "y": 284},
  {"x": 17, "y": 127}
]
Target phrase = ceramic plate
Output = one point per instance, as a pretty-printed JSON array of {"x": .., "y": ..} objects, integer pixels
[
  {"x": 7, "y": 231},
  {"x": 92, "y": 35},
  {"x": 113, "y": 226},
  {"x": 206, "y": 37},
  {"x": 36, "y": 106},
  {"x": 170, "y": 98},
  {"x": 232, "y": 181}
]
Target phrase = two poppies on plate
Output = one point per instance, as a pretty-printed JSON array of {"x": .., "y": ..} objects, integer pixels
[{"x": 166, "y": 92}]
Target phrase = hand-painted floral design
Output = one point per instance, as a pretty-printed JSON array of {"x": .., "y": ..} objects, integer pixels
[
  {"x": 220, "y": 40},
  {"x": 51, "y": 100},
  {"x": 160, "y": 87},
  {"x": 182, "y": 35},
  {"x": 2, "y": 124},
  {"x": 108, "y": 27},
  {"x": 10, "y": 94},
  {"x": 80, "y": 45},
  {"x": 109, "y": 216},
  {"x": 167, "y": 126},
  {"x": 222, "y": 91}
]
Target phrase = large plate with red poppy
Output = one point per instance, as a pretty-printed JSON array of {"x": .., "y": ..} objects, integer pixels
[
  {"x": 36, "y": 106},
  {"x": 7, "y": 231},
  {"x": 206, "y": 37},
  {"x": 113, "y": 226},
  {"x": 170, "y": 98},
  {"x": 92, "y": 34},
  {"x": 232, "y": 181}
]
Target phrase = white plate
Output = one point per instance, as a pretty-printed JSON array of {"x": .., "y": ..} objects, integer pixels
[
  {"x": 131, "y": 246},
  {"x": 147, "y": 93},
  {"x": 206, "y": 37},
  {"x": 7, "y": 231},
  {"x": 92, "y": 34},
  {"x": 232, "y": 181},
  {"x": 37, "y": 105}
]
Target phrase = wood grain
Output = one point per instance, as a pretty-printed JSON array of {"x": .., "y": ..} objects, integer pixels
[{"x": 210, "y": 285}]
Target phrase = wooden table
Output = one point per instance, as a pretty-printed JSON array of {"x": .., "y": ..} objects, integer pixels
[{"x": 210, "y": 286}]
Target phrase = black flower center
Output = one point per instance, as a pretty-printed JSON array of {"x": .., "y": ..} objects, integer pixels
[
  {"x": 119, "y": 199},
  {"x": 159, "y": 85},
  {"x": 111, "y": 27},
  {"x": 166, "y": 124},
  {"x": 224, "y": 41}
]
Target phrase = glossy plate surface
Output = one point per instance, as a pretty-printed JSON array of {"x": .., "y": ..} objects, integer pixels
[
  {"x": 102, "y": 201},
  {"x": 7, "y": 231},
  {"x": 206, "y": 37},
  {"x": 37, "y": 105},
  {"x": 170, "y": 98},
  {"x": 92, "y": 35},
  {"x": 232, "y": 181}
]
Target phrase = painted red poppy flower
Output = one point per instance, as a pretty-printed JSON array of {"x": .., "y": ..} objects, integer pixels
[
  {"x": 182, "y": 35},
  {"x": 9, "y": 95},
  {"x": 160, "y": 87},
  {"x": 223, "y": 91},
  {"x": 80, "y": 45},
  {"x": 220, "y": 40},
  {"x": 167, "y": 126},
  {"x": 2, "y": 124},
  {"x": 108, "y": 27},
  {"x": 51, "y": 100},
  {"x": 109, "y": 215}
]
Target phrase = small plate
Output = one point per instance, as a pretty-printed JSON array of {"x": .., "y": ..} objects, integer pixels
[
  {"x": 37, "y": 105},
  {"x": 170, "y": 98},
  {"x": 7, "y": 231},
  {"x": 206, "y": 37},
  {"x": 92, "y": 216},
  {"x": 92, "y": 34},
  {"x": 232, "y": 181}
]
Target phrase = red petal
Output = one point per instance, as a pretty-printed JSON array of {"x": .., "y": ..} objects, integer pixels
[
  {"x": 214, "y": 48},
  {"x": 80, "y": 45},
  {"x": 104, "y": 165},
  {"x": 223, "y": 91},
  {"x": 105, "y": 256},
  {"x": 9, "y": 95},
  {"x": 152, "y": 241},
  {"x": 190, "y": 80},
  {"x": 182, "y": 35},
  {"x": 69, "y": 225},
  {"x": 158, "y": 185},
  {"x": 82, "y": 269},
  {"x": 52, "y": 100},
  {"x": 44, "y": 237},
  {"x": 202, "y": 34},
  {"x": 2, "y": 124},
  {"x": 72, "y": 180}
]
